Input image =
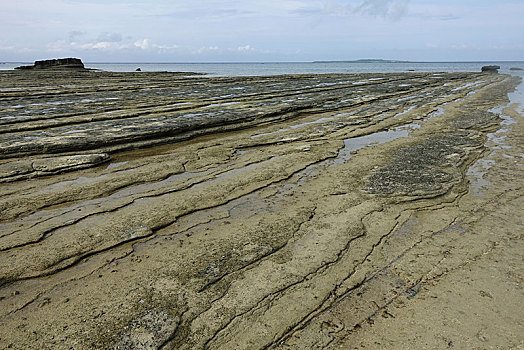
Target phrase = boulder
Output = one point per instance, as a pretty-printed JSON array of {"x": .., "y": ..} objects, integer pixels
[
  {"x": 59, "y": 63},
  {"x": 491, "y": 69}
]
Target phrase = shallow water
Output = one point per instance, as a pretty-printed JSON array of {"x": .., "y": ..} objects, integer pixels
[
  {"x": 477, "y": 172},
  {"x": 497, "y": 139},
  {"x": 518, "y": 95},
  {"x": 355, "y": 143},
  {"x": 279, "y": 68}
]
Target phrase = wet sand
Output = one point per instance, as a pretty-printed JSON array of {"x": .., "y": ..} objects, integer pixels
[{"x": 158, "y": 211}]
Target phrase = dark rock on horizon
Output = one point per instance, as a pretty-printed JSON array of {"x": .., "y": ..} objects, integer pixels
[
  {"x": 515, "y": 68},
  {"x": 59, "y": 63},
  {"x": 490, "y": 69}
]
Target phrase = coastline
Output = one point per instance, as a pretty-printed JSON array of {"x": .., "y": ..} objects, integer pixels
[{"x": 154, "y": 210}]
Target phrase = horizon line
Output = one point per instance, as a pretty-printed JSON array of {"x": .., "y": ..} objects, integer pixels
[{"x": 367, "y": 61}]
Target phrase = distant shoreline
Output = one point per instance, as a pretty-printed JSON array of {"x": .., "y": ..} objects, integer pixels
[
  {"x": 288, "y": 62},
  {"x": 286, "y": 68}
]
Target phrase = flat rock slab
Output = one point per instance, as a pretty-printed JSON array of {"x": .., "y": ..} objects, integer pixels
[{"x": 32, "y": 167}]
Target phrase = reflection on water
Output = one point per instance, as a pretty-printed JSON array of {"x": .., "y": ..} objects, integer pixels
[
  {"x": 355, "y": 143},
  {"x": 476, "y": 173}
]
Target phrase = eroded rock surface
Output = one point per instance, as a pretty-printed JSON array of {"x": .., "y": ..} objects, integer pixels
[{"x": 158, "y": 211}]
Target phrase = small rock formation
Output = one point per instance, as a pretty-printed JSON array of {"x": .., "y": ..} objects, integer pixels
[
  {"x": 138, "y": 69},
  {"x": 490, "y": 69},
  {"x": 60, "y": 63},
  {"x": 515, "y": 68}
]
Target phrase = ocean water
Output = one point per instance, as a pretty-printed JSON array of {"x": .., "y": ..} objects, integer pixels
[{"x": 247, "y": 69}]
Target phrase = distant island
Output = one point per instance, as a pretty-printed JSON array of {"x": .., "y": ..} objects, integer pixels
[{"x": 365, "y": 60}]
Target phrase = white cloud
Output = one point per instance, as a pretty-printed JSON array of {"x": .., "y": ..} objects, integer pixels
[
  {"x": 206, "y": 49},
  {"x": 15, "y": 48},
  {"x": 57, "y": 46},
  {"x": 463, "y": 46},
  {"x": 143, "y": 44},
  {"x": 101, "y": 45},
  {"x": 7, "y": 48},
  {"x": 245, "y": 48},
  {"x": 165, "y": 47},
  {"x": 62, "y": 45}
]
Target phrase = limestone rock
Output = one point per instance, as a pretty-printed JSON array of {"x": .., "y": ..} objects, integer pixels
[
  {"x": 59, "y": 63},
  {"x": 490, "y": 69},
  {"x": 28, "y": 168}
]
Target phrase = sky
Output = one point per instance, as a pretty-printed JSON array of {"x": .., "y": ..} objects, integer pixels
[{"x": 262, "y": 30}]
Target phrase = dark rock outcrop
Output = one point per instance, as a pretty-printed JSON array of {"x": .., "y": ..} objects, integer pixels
[
  {"x": 515, "y": 68},
  {"x": 490, "y": 69},
  {"x": 60, "y": 63},
  {"x": 429, "y": 167},
  {"x": 474, "y": 118}
]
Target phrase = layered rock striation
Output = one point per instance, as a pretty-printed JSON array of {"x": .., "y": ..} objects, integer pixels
[{"x": 157, "y": 211}]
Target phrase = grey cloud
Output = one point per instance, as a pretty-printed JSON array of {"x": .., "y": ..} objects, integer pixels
[
  {"x": 449, "y": 17},
  {"x": 204, "y": 13},
  {"x": 75, "y": 34},
  {"x": 391, "y": 9},
  {"x": 110, "y": 37},
  {"x": 305, "y": 12}
]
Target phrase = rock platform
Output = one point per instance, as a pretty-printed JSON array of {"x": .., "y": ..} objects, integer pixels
[{"x": 167, "y": 211}]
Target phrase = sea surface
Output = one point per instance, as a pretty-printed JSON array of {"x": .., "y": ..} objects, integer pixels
[{"x": 246, "y": 69}]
